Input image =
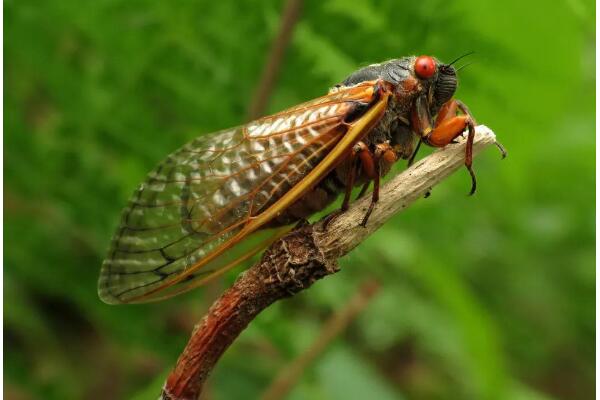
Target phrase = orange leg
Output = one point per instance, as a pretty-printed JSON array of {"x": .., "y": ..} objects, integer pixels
[
  {"x": 365, "y": 160},
  {"x": 449, "y": 130},
  {"x": 386, "y": 152},
  {"x": 350, "y": 182},
  {"x": 370, "y": 164},
  {"x": 383, "y": 153},
  {"x": 448, "y": 126},
  {"x": 447, "y": 111}
]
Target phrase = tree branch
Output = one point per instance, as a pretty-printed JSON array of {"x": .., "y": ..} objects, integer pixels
[{"x": 297, "y": 260}]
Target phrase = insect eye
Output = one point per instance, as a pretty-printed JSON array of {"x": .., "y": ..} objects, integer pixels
[{"x": 424, "y": 67}]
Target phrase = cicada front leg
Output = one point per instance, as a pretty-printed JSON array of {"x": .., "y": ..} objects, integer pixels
[{"x": 448, "y": 126}]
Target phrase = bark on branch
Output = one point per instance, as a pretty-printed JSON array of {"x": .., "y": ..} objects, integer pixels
[{"x": 297, "y": 260}]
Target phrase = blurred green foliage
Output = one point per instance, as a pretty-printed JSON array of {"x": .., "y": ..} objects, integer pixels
[{"x": 488, "y": 297}]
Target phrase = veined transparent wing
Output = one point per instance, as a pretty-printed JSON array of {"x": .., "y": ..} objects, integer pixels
[{"x": 181, "y": 225}]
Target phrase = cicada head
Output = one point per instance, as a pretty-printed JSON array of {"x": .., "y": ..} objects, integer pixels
[
  {"x": 412, "y": 76},
  {"x": 438, "y": 80}
]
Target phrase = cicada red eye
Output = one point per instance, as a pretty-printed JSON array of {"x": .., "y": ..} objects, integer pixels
[{"x": 424, "y": 67}]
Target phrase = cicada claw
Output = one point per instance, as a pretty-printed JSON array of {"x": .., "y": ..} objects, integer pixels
[{"x": 501, "y": 148}]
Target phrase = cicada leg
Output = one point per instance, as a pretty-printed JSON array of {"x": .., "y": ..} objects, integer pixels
[
  {"x": 354, "y": 166},
  {"x": 411, "y": 160},
  {"x": 448, "y": 126},
  {"x": 371, "y": 164},
  {"x": 368, "y": 165},
  {"x": 350, "y": 178},
  {"x": 366, "y": 162},
  {"x": 363, "y": 190}
]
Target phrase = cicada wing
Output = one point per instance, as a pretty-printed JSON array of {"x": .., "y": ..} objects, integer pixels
[
  {"x": 183, "y": 221},
  {"x": 242, "y": 252}
]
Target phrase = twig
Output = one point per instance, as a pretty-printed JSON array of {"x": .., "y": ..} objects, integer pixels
[
  {"x": 290, "y": 16},
  {"x": 297, "y": 260},
  {"x": 338, "y": 322}
]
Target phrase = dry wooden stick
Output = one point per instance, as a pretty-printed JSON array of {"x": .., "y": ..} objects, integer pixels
[
  {"x": 338, "y": 322},
  {"x": 297, "y": 260}
]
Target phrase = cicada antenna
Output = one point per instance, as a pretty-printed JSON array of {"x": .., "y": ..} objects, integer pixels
[
  {"x": 461, "y": 57},
  {"x": 464, "y": 66}
]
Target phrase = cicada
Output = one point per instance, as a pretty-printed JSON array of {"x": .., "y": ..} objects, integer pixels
[{"x": 223, "y": 197}]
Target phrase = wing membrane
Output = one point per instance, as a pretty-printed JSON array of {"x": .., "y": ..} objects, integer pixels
[{"x": 215, "y": 192}]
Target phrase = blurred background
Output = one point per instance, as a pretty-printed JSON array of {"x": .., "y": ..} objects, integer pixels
[{"x": 483, "y": 297}]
